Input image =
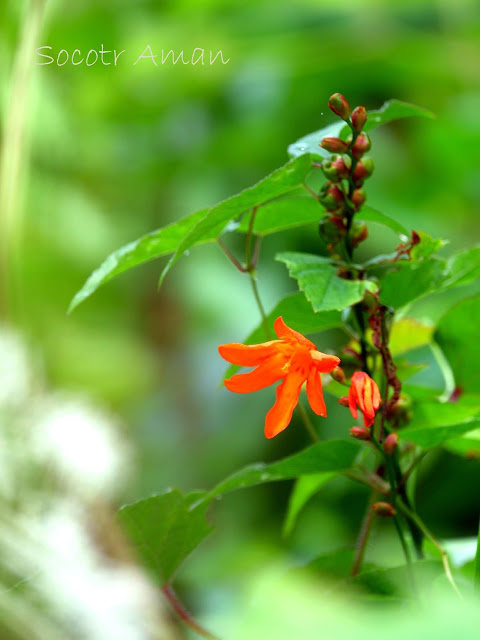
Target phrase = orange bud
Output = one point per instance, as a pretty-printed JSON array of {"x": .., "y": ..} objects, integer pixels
[
  {"x": 339, "y": 105},
  {"x": 338, "y": 375},
  {"x": 390, "y": 444},
  {"x": 334, "y": 145},
  {"x": 384, "y": 509},
  {"x": 359, "y": 118}
]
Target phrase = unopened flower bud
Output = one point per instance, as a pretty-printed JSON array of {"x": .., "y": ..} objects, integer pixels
[
  {"x": 390, "y": 444},
  {"x": 360, "y": 433},
  {"x": 384, "y": 509},
  {"x": 338, "y": 375},
  {"x": 335, "y": 169},
  {"x": 331, "y": 197},
  {"x": 359, "y": 233},
  {"x": 339, "y": 105},
  {"x": 343, "y": 401},
  {"x": 358, "y": 198},
  {"x": 330, "y": 232},
  {"x": 361, "y": 145},
  {"x": 334, "y": 145},
  {"x": 359, "y": 118},
  {"x": 363, "y": 170}
]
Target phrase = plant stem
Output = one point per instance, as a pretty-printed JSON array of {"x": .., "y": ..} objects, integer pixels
[
  {"x": 422, "y": 526},
  {"x": 364, "y": 534},
  {"x": 183, "y": 614},
  {"x": 307, "y": 422},
  {"x": 259, "y": 305},
  {"x": 231, "y": 257},
  {"x": 395, "y": 499}
]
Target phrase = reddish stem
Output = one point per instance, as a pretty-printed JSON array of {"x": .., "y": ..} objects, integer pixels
[{"x": 182, "y": 613}]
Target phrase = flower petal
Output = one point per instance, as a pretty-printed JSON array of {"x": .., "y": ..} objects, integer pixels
[
  {"x": 352, "y": 404},
  {"x": 248, "y": 355},
  {"x": 324, "y": 362},
  {"x": 287, "y": 333},
  {"x": 279, "y": 416},
  {"x": 315, "y": 393},
  {"x": 264, "y": 375}
]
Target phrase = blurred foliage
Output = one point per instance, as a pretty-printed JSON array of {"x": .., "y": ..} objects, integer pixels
[{"x": 114, "y": 152}]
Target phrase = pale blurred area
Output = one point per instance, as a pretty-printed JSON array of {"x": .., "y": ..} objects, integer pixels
[
  {"x": 65, "y": 568},
  {"x": 122, "y": 398}
]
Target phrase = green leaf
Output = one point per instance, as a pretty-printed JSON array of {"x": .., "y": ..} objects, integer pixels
[
  {"x": 328, "y": 456},
  {"x": 395, "y": 110},
  {"x": 426, "y": 247},
  {"x": 408, "y": 334},
  {"x": 391, "y": 110},
  {"x": 166, "y": 528},
  {"x": 434, "y": 423},
  {"x": 149, "y": 247},
  {"x": 318, "y": 279},
  {"x": 275, "y": 185},
  {"x": 198, "y": 228},
  {"x": 457, "y": 335},
  {"x": 463, "y": 268},
  {"x": 311, "y": 142},
  {"x": 284, "y": 214},
  {"x": 368, "y": 214},
  {"x": 305, "y": 487},
  {"x": 411, "y": 280},
  {"x": 297, "y": 312},
  {"x": 466, "y": 446}
]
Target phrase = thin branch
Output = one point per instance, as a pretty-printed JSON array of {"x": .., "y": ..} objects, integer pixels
[
  {"x": 426, "y": 531},
  {"x": 231, "y": 257},
  {"x": 183, "y": 614},
  {"x": 364, "y": 533},
  {"x": 310, "y": 191}
]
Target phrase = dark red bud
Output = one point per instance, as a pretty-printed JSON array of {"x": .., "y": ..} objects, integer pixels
[
  {"x": 335, "y": 169},
  {"x": 359, "y": 233},
  {"x": 339, "y": 105},
  {"x": 359, "y": 118},
  {"x": 334, "y": 145},
  {"x": 384, "y": 509},
  {"x": 361, "y": 145},
  {"x": 358, "y": 198},
  {"x": 360, "y": 433},
  {"x": 363, "y": 170},
  {"x": 343, "y": 401},
  {"x": 390, "y": 444}
]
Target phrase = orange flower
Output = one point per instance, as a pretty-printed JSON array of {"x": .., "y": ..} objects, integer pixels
[
  {"x": 364, "y": 393},
  {"x": 293, "y": 359}
]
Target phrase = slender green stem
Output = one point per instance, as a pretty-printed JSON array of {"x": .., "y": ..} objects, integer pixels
[
  {"x": 258, "y": 300},
  {"x": 307, "y": 422},
  {"x": 364, "y": 533},
  {"x": 423, "y": 527},
  {"x": 398, "y": 525}
]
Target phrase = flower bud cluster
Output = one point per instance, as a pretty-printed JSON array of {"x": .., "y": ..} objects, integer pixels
[{"x": 346, "y": 170}]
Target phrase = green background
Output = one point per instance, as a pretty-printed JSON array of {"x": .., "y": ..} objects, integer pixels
[{"x": 113, "y": 152}]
